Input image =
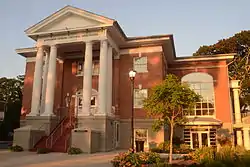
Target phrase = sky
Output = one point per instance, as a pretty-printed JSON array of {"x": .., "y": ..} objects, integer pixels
[{"x": 192, "y": 22}]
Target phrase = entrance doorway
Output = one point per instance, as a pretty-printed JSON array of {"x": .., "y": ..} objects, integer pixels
[{"x": 199, "y": 139}]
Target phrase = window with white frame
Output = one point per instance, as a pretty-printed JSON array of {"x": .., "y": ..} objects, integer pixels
[
  {"x": 140, "y": 64},
  {"x": 139, "y": 96},
  {"x": 141, "y": 135},
  {"x": 80, "y": 68},
  {"x": 203, "y": 85}
]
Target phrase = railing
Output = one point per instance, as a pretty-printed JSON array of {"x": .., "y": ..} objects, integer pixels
[
  {"x": 57, "y": 132},
  {"x": 35, "y": 139},
  {"x": 245, "y": 114}
]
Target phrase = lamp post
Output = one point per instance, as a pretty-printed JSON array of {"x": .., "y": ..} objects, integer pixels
[{"x": 132, "y": 74}]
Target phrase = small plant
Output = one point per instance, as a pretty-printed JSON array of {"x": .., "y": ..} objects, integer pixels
[
  {"x": 74, "y": 150},
  {"x": 16, "y": 148},
  {"x": 43, "y": 151}
]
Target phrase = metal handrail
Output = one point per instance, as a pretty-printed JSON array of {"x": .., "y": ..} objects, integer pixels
[
  {"x": 52, "y": 138},
  {"x": 33, "y": 139}
]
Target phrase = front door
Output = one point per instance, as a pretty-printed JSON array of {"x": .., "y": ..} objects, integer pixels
[{"x": 199, "y": 139}]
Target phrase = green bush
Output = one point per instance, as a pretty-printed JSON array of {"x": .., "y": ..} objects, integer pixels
[
  {"x": 74, "y": 150},
  {"x": 16, "y": 148},
  {"x": 43, "y": 151}
]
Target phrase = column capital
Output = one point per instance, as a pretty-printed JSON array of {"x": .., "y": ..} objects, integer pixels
[
  {"x": 104, "y": 41},
  {"x": 54, "y": 46},
  {"x": 89, "y": 42},
  {"x": 236, "y": 89},
  {"x": 246, "y": 128}
]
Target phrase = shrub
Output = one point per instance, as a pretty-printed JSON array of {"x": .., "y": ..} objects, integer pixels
[
  {"x": 156, "y": 150},
  {"x": 16, "y": 148},
  {"x": 164, "y": 146},
  {"x": 203, "y": 155},
  {"x": 135, "y": 159},
  {"x": 74, "y": 150},
  {"x": 43, "y": 151}
]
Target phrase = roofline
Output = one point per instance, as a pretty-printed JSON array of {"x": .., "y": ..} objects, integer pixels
[
  {"x": 67, "y": 6},
  {"x": 227, "y": 56},
  {"x": 22, "y": 51}
]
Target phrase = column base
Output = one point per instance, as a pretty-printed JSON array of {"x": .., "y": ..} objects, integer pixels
[
  {"x": 47, "y": 114},
  {"x": 100, "y": 124}
]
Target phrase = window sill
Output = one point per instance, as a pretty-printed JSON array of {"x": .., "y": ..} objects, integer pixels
[{"x": 138, "y": 72}]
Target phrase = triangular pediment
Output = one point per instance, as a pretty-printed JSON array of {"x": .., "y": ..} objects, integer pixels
[{"x": 69, "y": 18}]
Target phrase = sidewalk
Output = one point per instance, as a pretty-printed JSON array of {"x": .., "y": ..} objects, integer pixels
[{"x": 31, "y": 159}]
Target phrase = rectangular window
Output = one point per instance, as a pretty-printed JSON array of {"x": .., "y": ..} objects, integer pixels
[
  {"x": 80, "y": 68},
  {"x": 140, "y": 64},
  {"x": 141, "y": 135},
  {"x": 139, "y": 96}
]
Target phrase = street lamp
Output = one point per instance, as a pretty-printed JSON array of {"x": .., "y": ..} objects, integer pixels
[{"x": 132, "y": 74}]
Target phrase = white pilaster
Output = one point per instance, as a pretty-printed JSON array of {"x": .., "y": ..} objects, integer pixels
[
  {"x": 110, "y": 80},
  {"x": 87, "y": 79},
  {"x": 239, "y": 137},
  {"x": 51, "y": 82},
  {"x": 45, "y": 74},
  {"x": 246, "y": 138},
  {"x": 237, "y": 105},
  {"x": 37, "y": 83},
  {"x": 102, "y": 88}
]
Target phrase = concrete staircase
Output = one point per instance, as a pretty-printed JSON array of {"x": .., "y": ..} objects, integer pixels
[{"x": 59, "y": 138}]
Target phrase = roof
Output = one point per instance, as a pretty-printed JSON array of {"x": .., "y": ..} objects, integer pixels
[{"x": 203, "y": 121}]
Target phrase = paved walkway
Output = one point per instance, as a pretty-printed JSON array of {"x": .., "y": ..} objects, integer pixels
[{"x": 30, "y": 159}]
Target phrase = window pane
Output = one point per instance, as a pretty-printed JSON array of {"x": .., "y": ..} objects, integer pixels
[
  {"x": 204, "y": 111},
  {"x": 204, "y": 105},
  {"x": 198, "y": 112},
  {"x": 211, "y": 111},
  {"x": 140, "y": 64}
]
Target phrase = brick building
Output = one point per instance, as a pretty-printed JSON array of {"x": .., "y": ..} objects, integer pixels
[{"x": 77, "y": 90}]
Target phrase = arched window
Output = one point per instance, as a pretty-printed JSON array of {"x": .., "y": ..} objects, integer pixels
[
  {"x": 202, "y": 84},
  {"x": 94, "y": 97}
]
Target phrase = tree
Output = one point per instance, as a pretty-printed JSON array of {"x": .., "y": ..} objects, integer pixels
[
  {"x": 239, "y": 68},
  {"x": 170, "y": 102},
  {"x": 11, "y": 97}
]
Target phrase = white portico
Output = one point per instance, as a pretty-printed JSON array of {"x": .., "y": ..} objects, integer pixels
[{"x": 72, "y": 26}]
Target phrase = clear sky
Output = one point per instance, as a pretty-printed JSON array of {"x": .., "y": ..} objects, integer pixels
[{"x": 192, "y": 22}]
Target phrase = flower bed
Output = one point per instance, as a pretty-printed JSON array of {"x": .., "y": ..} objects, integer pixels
[{"x": 135, "y": 159}]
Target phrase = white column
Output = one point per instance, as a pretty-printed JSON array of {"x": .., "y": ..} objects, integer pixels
[
  {"x": 102, "y": 88},
  {"x": 246, "y": 138},
  {"x": 51, "y": 82},
  {"x": 37, "y": 83},
  {"x": 110, "y": 80},
  {"x": 237, "y": 106},
  {"x": 87, "y": 80},
  {"x": 45, "y": 73},
  {"x": 239, "y": 137}
]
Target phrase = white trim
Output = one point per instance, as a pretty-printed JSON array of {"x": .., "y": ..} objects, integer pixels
[
  {"x": 201, "y": 58},
  {"x": 202, "y": 123},
  {"x": 131, "y": 41},
  {"x": 26, "y": 50},
  {"x": 112, "y": 43},
  {"x": 151, "y": 49},
  {"x": 197, "y": 67},
  {"x": 33, "y": 59}
]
